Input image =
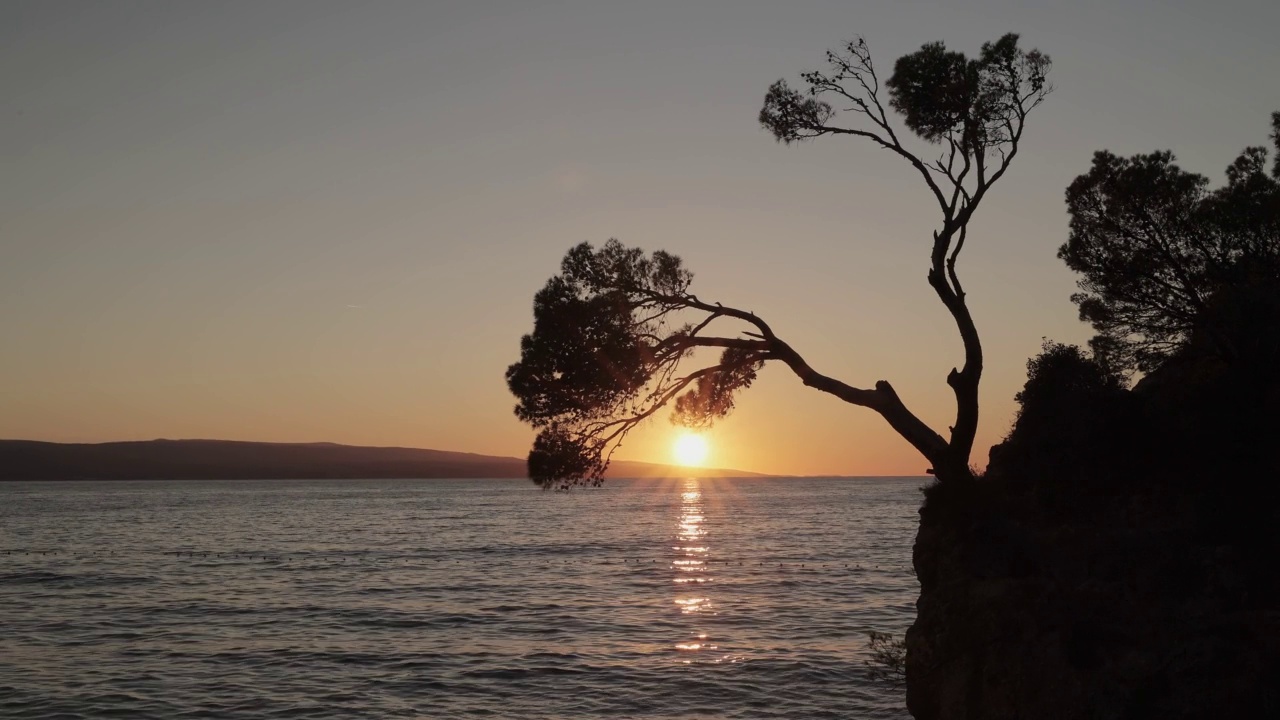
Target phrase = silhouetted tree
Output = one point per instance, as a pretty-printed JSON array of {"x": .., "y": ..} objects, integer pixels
[
  {"x": 613, "y": 328},
  {"x": 1155, "y": 245}
]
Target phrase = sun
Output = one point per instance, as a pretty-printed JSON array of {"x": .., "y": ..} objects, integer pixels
[{"x": 690, "y": 449}]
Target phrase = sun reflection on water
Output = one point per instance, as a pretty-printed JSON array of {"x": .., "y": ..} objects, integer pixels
[{"x": 691, "y": 575}]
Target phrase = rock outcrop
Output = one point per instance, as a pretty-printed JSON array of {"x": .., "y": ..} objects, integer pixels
[{"x": 1119, "y": 558}]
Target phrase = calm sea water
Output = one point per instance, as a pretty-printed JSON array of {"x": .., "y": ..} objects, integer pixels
[{"x": 441, "y": 599}]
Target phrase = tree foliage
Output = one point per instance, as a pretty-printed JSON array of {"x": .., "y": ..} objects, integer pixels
[
  {"x": 604, "y": 355},
  {"x": 1155, "y": 244},
  {"x": 941, "y": 92},
  {"x": 614, "y": 330},
  {"x": 973, "y": 105},
  {"x": 1067, "y": 369}
]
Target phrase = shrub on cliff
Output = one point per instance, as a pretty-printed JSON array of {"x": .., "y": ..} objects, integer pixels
[{"x": 1067, "y": 419}]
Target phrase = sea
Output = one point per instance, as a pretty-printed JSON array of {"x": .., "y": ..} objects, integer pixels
[{"x": 327, "y": 599}]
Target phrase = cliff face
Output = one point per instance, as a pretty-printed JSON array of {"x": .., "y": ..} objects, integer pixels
[
  {"x": 1118, "y": 560},
  {"x": 1136, "y": 612}
]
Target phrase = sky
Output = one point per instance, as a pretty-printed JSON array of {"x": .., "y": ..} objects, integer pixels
[{"x": 325, "y": 221}]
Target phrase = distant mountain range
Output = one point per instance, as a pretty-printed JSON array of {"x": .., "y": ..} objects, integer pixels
[{"x": 234, "y": 460}]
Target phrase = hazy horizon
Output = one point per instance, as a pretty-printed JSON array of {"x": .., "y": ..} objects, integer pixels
[
  {"x": 325, "y": 222},
  {"x": 618, "y": 466}
]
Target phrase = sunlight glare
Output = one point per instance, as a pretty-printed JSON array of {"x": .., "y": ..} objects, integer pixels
[{"x": 691, "y": 450}]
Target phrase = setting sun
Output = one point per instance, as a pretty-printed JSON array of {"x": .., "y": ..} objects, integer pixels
[{"x": 690, "y": 449}]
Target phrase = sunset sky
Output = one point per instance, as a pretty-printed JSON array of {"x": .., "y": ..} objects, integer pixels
[{"x": 325, "y": 221}]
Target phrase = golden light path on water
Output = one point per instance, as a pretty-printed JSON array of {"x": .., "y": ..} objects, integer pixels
[{"x": 692, "y": 574}]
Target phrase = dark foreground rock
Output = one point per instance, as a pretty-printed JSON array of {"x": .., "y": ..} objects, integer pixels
[{"x": 1120, "y": 559}]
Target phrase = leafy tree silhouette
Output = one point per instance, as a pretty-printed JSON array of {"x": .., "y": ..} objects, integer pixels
[
  {"x": 1156, "y": 247},
  {"x": 613, "y": 329}
]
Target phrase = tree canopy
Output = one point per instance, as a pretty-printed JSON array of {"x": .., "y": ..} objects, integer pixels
[
  {"x": 1155, "y": 245},
  {"x": 615, "y": 328}
]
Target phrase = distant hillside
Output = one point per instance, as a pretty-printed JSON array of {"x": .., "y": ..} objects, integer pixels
[{"x": 233, "y": 460}]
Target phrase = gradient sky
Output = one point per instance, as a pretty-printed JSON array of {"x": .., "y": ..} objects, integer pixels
[{"x": 304, "y": 221}]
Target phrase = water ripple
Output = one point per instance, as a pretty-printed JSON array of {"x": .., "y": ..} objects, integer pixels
[{"x": 443, "y": 599}]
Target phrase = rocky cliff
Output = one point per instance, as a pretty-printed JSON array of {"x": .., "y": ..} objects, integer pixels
[{"x": 1119, "y": 557}]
